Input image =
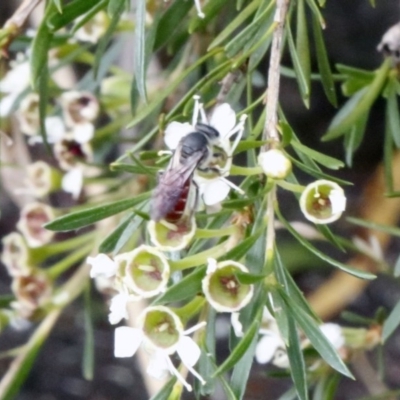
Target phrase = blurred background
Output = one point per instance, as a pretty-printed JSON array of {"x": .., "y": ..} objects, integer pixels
[{"x": 353, "y": 31}]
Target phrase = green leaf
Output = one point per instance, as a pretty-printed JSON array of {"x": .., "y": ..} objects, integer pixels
[
  {"x": 134, "y": 169},
  {"x": 238, "y": 352},
  {"x": 91, "y": 215},
  {"x": 155, "y": 103},
  {"x": 248, "y": 34},
  {"x": 392, "y": 109},
  {"x": 323, "y": 63},
  {"x": 40, "y": 47},
  {"x": 241, "y": 249},
  {"x": 88, "y": 349},
  {"x": 71, "y": 11},
  {"x": 232, "y": 26},
  {"x": 43, "y": 86},
  {"x": 164, "y": 393},
  {"x": 109, "y": 243},
  {"x": 391, "y": 230},
  {"x": 211, "y": 10},
  {"x": 113, "y": 8},
  {"x": 172, "y": 18},
  {"x": 327, "y": 161},
  {"x": 317, "y": 13},
  {"x": 248, "y": 279},
  {"x": 245, "y": 145},
  {"x": 300, "y": 74},
  {"x": 296, "y": 359},
  {"x": 59, "y": 5},
  {"x": 302, "y": 44},
  {"x": 358, "y": 105},
  {"x": 118, "y": 9},
  {"x": 140, "y": 45},
  {"x": 186, "y": 288},
  {"x": 321, "y": 255},
  {"x": 354, "y": 138},
  {"x": 129, "y": 231},
  {"x": 391, "y": 323},
  {"x": 315, "y": 335}
]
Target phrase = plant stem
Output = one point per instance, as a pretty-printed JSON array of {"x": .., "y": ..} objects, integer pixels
[{"x": 270, "y": 132}]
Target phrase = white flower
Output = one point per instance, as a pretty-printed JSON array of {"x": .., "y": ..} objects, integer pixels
[
  {"x": 271, "y": 347},
  {"x": 213, "y": 186},
  {"x": 102, "y": 265},
  {"x": 322, "y": 201},
  {"x": 118, "y": 308},
  {"x": 275, "y": 164},
  {"x": 33, "y": 217},
  {"x": 28, "y": 114},
  {"x": 333, "y": 332},
  {"x": 12, "y": 85},
  {"x": 93, "y": 29},
  {"x": 72, "y": 182},
  {"x": 390, "y": 43},
  {"x": 161, "y": 333},
  {"x": 222, "y": 289}
]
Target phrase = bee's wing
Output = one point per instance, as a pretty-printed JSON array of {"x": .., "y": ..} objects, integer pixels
[{"x": 171, "y": 185}]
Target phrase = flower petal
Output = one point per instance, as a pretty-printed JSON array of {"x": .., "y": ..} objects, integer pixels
[
  {"x": 102, "y": 265},
  {"x": 267, "y": 347},
  {"x": 223, "y": 119},
  {"x": 174, "y": 132},
  {"x": 158, "y": 365},
  {"x": 215, "y": 191},
  {"x": 236, "y": 324},
  {"x": 55, "y": 129},
  {"x": 72, "y": 182},
  {"x": 188, "y": 351},
  {"x": 118, "y": 310},
  {"x": 126, "y": 341},
  {"x": 334, "y": 334},
  {"x": 83, "y": 132}
]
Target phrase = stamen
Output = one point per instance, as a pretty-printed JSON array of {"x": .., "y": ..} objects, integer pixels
[
  {"x": 195, "y": 328},
  {"x": 233, "y": 186},
  {"x": 180, "y": 378},
  {"x": 196, "y": 110},
  {"x": 146, "y": 268},
  {"x": 198, "y": 8}
]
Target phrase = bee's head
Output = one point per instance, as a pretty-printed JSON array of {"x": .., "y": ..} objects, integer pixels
[{"x": 211, "y": 133}]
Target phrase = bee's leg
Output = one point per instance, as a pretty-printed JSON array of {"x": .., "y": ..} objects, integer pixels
[
  {"x": 239, "y": 129},
  {"x": 196, "y": 110}
]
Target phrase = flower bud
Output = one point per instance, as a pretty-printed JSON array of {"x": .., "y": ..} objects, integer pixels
[
  {"x": 33, "y": 217},
  {"x": 16, "y": 255},
  {"x": 145, "y": 271},
  {"x": 322, "y": 202},
  {"x": 222, "y": 289},
  {"x": 275, "y": 164},
  {"x": 162, "y": 328},
  {"x": 167, "y": 236},
  {"x": 79, "y": 107},
  {"x": 28, "y": 114},
  {"x": 31, "y": 291},
  {"x": 43, "y": 179}
]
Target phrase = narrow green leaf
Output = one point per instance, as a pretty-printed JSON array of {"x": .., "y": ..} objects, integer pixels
[
  {"x": 140, "y": 45},
  {"x": 242, "y": 39},
  {"x": 88, "y": 349},
  {"x": 211, "y": 10},
  {"x": 134, "y": 169},
  {"x": 391, "y": 230},
  {"x": 248, "y": 279},
  {"x": 356, "y": 73},
  {"x": 241, "y": 249},
  {"x": 129, "y": 231},
  {"x": 113, "y": 8},
  {"x": 388, "y": 150},
  {"x": 186, "y": 288},
  {"x": 249, "y": 144},
  {"x": 40, "y": 46},
  {"x": 89, "y": 15},
  {"x": 149, "y": 108},
  {"x": 317, "y": 13},
  {"x": 302, "y": 44},
  {"x": 232, "y": 26},
  {"x": 105, "y": 40},
  {"x": 323, "y": 63},
  {"x": 71, "y": 11},
  {"x": 164, "y": 393},
  {"x": 358, "y": 105},
  {"x": 321, "y": 255},
  {"x": 327, "y": 161},
  {"x": 315, "y": 335},
  {"x": 392, "y": 322},
  {"x": 296, "y": 359},
  {"x": 172, "y": 18},
  {"x": 43, "y": 91},
  {"x": 109, "y": 243},
  {"x": 91, "y": 215},
  {"x": 354, "y": 138},
  {"x": 59, "y": 5},
  {"x": 392, "y": 109},
  {"x": 300, "y": 74},
  {"x": 238, "y": 352}
]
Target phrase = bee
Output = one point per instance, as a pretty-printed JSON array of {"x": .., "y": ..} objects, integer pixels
[{"x": 176, "y": 193}]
